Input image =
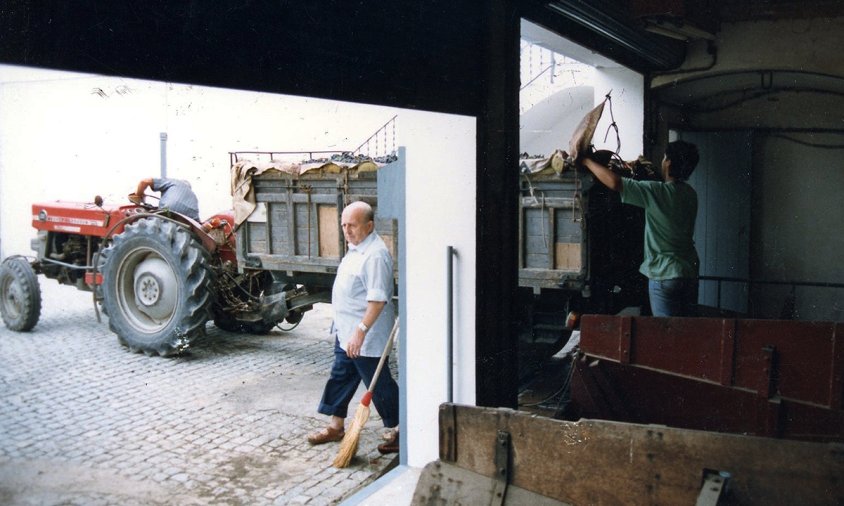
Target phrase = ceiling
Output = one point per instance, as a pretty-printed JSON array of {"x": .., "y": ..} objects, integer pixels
[
  {"x": 747, "y": 10},
  {"x": 743, "y": 75}
]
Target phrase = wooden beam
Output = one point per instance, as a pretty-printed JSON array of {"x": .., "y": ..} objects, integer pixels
[{"x": 600, "y": 462}]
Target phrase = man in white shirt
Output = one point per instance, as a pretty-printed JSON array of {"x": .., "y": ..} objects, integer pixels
[{"x": 363, "y": 317}]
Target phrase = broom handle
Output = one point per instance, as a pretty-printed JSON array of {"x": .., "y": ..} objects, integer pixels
[{"x": 387, "y": 348}]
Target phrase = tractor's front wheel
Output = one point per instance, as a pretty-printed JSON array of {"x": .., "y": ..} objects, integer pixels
[
  {"x": 156, "y": 287},
  {"x": 20, "y": 295}
]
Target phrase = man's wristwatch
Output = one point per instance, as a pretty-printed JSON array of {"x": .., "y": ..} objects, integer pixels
[{"x": 363, "y": 327}]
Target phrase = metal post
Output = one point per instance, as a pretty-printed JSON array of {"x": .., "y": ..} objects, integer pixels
[
  {"x": 450, "y": 253},
  {"x": 163, "y": 137}
]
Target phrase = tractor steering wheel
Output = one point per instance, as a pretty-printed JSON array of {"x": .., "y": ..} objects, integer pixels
[{"x": 138, "y": 200}]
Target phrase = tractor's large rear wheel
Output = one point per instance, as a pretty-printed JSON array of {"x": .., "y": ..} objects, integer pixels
[
  {"x": 20, "y": 295},
  {"x": 156, "y": 287}
]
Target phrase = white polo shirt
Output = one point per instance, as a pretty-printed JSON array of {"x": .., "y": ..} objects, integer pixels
[{"x": 365, "y": 274}]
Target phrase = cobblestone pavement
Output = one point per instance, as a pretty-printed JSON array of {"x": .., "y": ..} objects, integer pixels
[{"x": 84, "y": 421}]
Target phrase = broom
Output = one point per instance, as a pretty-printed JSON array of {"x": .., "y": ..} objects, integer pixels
[{"x": 349, "y": 445}]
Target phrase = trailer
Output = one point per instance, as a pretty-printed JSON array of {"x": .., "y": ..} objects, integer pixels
[
  {"x": 579, "y": 251},
  {"x": 290, "y": 226},
  {"x": 772, "y": 378}
]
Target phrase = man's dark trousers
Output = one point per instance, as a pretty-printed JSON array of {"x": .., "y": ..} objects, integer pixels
[{"x": 346, "y": 375}]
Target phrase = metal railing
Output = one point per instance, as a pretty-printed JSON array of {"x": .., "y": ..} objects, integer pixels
[
  {"x": 381, "y": 144},
  {"x": 751, "y": 283},
  {"x": 236, "y": 156},
  {"x": 384, "y": 140}
]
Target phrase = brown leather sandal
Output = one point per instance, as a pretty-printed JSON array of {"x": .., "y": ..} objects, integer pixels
[
  {"x": 326, "y": 435},
  {"x": 391, "y": 445}
]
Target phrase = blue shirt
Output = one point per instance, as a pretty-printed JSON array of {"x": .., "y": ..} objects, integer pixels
[
  {"x": 365, "y": 274},
  {"x": 177, "y": 196},
  {"x": 670, "y": 212}
]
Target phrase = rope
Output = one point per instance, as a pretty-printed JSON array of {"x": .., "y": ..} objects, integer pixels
[{"x": 613, "y": 125}]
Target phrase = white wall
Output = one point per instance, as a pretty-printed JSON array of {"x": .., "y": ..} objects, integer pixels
[
  {"x": 627, "y": 89},
  {"x": 549, "y": 124},
  {"x": 440, "y": 212},
  {"x": 571, "y": 90},
  {"x": 59, "y": 140},
  {"x": 70, "y": 136}
]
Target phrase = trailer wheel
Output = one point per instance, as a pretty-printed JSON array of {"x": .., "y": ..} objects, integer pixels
[
  {"x": 231, "y": 324},
  {"x": 156, "y": 287},
  {"x": 20, "y": 294}
]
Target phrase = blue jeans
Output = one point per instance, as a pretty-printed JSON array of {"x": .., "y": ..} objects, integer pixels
[
  {"x": 346, "y": 375},
  {"x": 673, "y": 297}
]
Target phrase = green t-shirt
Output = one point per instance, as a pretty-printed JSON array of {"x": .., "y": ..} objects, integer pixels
[{"x": 670, "y": 211}]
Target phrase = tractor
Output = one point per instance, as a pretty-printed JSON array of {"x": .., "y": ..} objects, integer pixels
[{"x": 158, "y": 275}]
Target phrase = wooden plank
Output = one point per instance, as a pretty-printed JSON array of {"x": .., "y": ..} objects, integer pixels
[
  {"x": 547, "y": 203},
  {"x": 625, "y": 339},
  {"x": 542, "y": 274},
  {"x": 291, "y": 224},
  {"x": 549, "y": 248},
  {"x": 441, "y": 483},
  {"x": 297, "y": 263},
  {"x": 836, "y": 380},
  {"x": 686, "y": 346},
  {"x": 269, "y": 227},
  {"x": 728, "y": 351},
  {"x": 448, "y": 432},
  {"x": 314, "y": 198},
  {"x": 599, "y": 462},
  {"x": 257, "y": 237},
  {"x": 568, "y": 256},
  {"x": 521, "y": 234},
  {"x": 803, "y": 356},
  {"x": 328, "y": 232},
  {"x": 536, "y": 260}
]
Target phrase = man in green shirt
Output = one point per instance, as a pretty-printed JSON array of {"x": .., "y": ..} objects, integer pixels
[{"x": 671, "y": 262}]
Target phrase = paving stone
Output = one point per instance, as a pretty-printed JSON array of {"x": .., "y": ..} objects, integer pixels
[{"x": 225, "y": 424}]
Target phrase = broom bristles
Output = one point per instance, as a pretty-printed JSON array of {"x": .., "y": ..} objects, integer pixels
[{"x": 349, "y": 445}]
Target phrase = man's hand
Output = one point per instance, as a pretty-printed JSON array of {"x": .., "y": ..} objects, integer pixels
[
  {"x": 582, "y": 155},
  {"x": 610, "y": 179},
  {"x": 355, "y": 343}
]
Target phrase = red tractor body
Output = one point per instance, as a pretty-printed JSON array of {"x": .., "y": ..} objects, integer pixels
[
  {"x": 158, "y": 274},
  {"x": 80, "y": 218}
]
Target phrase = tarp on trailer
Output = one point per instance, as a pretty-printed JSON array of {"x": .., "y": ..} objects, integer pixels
[{"x": 242, "y": 172}]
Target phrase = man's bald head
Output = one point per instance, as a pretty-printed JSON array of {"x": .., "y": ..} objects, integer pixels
[{"x": 357, "y": 222}]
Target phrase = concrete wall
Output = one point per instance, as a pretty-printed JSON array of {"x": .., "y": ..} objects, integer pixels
[{"x": 797, "y": 224}]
